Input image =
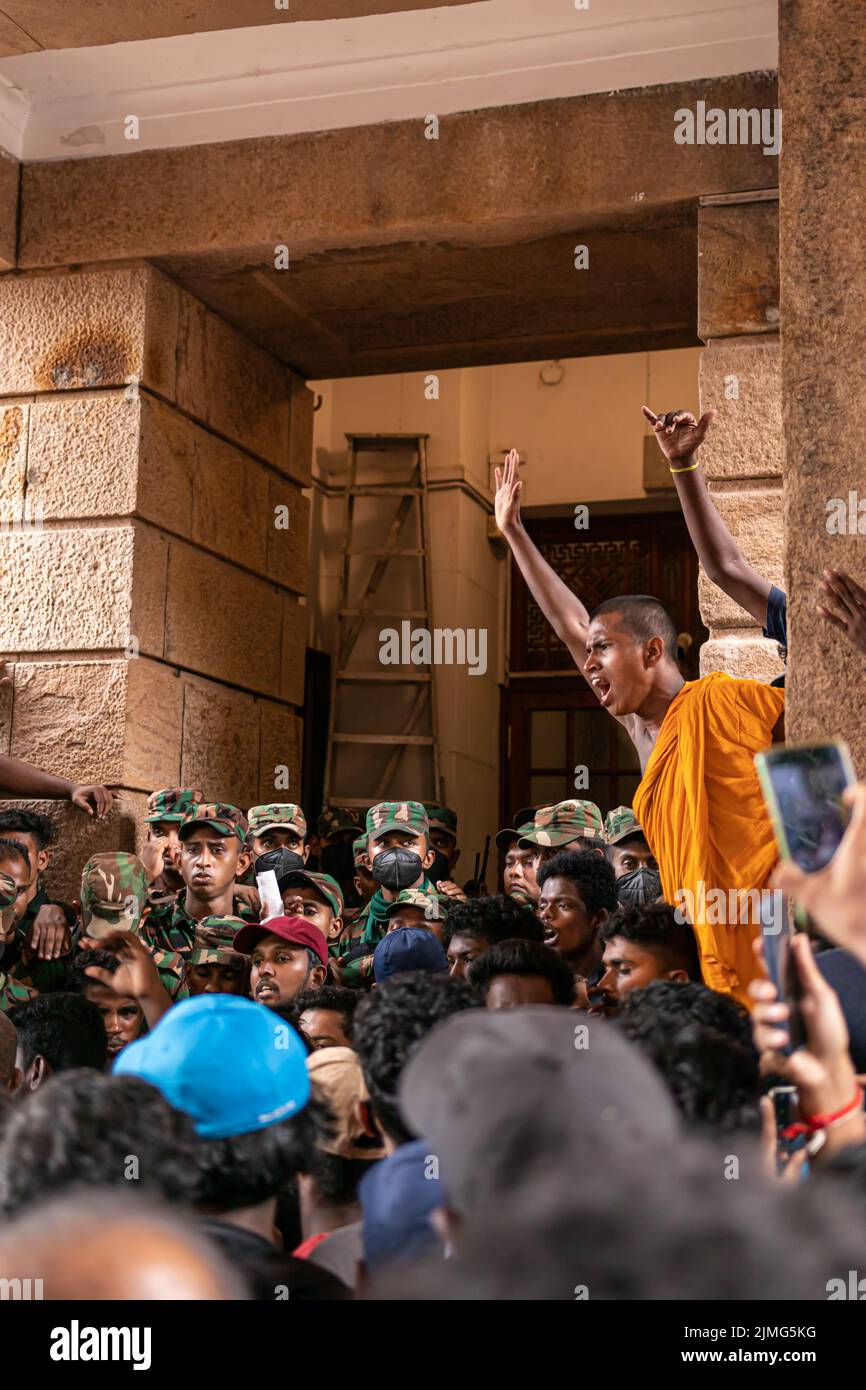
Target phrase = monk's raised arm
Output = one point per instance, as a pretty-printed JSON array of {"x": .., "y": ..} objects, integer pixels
[{"x": 563, "y": 610}]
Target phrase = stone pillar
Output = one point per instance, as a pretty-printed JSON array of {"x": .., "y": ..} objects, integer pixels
[
  {"x": 738, "y": 320},
  {"x": 822, "y": 64},
  {"x": 154, "y": 545}
]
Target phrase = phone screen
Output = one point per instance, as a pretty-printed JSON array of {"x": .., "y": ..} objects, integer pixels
[{"x": 807, "y": 786}]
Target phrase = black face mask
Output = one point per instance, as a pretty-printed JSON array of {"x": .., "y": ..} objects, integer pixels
[
  {"x": 283, "y": 862},
  {"x": 339, "y": 862},
  {"x": 440, "y": 868},
  {"x": 395, "y": 869},
  {"x": 639, "y": 887}
]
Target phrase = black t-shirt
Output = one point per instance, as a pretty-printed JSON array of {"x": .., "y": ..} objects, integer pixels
[
  {"x": 268, "y": 1272},
  {"x": 777, "y": 624}
]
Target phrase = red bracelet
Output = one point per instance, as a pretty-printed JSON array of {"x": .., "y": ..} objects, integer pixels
[{"x": 813, "y": 1123}]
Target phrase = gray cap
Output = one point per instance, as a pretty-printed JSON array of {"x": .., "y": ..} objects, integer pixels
[{"x": 501, "y": 1094}]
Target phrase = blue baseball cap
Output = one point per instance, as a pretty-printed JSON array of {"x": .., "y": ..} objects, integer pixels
[
  {"x": 408, "y": 948},
  {"x": 230, "y": 1064}
]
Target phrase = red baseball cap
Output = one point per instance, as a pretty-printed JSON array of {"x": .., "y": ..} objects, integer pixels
[{"x": 296, "y": 930}]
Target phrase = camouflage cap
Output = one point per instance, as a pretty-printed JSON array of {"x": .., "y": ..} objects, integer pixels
[
  {"x": 8, "y": 891},
  {"x": 441, "y": 818},
  {"x": 327, "y": 887},
  {"x": 563, "y": 823},
  {"x": 112, "y": 885},
  {"x": 396, "y": 815},
  {"x": 227, "y": 820},
  {"x": 172, "y": 803},
  {"x": 621, "y": 824},
  {"x": 359, "y": 849},
  {"x": 412, "y": 897},
  {"x": 213, "y": 942},
  {"x": 337, "y": 818},
  {"x": 277, "y": 815},
  {"x": 507, "y": 837}
]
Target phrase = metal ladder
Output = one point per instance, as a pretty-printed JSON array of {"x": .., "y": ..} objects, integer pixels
[{"x": 412, "y": 494}]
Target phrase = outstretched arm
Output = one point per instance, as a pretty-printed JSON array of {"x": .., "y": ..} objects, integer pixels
[
  {"x": 19, "y": 779},
  {"x": 679, "y": 436},
  {"x": 562, "y": 609}
]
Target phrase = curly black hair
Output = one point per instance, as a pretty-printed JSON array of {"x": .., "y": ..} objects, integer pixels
[
  {"x": 333, "y": 997},
  {"x": 245, "y": 1170},
  {"x": 77, "y": 978},
  {"x": 658, "y": 928},
  {"x": 64, "y": 1028},
  {"x": 28, "y": 823},
  {"x": 389, "y": 1024},
  {"x": 492, "y": 919},
  {"x": 701, "y": 1042},
  {"x": 589, "y": 872},
  {"x": 85, "y": 1129},
  {"x": 524, "y": 958}
]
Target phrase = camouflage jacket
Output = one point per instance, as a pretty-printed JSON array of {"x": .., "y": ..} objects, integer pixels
[{"x": 167, "y": 926}]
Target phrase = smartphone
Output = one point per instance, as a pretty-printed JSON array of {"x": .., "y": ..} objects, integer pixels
[
  {"x": 803, "y": 789},
  {"x": 786, "y": 1107},
  {"x": 781, "y": 966}
]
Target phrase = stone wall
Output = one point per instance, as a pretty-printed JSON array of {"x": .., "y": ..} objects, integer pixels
[
  {"x": 740, "y": 377},
  {"x": 822, "y": 63},
  {"x": 154, "y": 547}
]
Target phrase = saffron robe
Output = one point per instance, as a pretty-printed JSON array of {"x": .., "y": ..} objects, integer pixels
[{"x": 705, "y": 819}]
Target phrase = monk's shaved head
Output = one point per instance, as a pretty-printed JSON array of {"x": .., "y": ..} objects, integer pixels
[{"x": 642, "y": 616}]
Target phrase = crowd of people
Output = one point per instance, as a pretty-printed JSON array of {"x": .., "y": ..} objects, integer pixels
[{"x": 274, "y": 1057}]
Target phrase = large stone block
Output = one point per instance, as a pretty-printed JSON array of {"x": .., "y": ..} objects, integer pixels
[
  {"x": 83, "y": 455},
  {"x": 300, "y": 460},
  {"x": 69, "y": 718},
  {"x": 294, "y": 645},
  {"x": 738, "y": 270},
  {"x": 230, "y": 503},
  {"x": 72, "y": 330},
  {"x": 67, "y": 590},
  {"x": 166, "y": 466},
  {"x": 287, "y": 546},
  {"x": 148, "y": 604},
  {"x": 221, "y": 621},
  {"x": 220, "y": 742},
  {"x": 153, "y": 725},
  {"x": 742, "y": 382},
  {"x": 279, "y": 747},
  {"x": 755, "y": 521},
  {"x": 14, "y": 419},
  {"x": 116, "y": 722},
  {"x": 749, "y": 658},
  {"x": 231, "y": 385}
]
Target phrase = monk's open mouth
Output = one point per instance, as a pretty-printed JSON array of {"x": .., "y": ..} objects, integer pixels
[{"x": 602, "y": 690}]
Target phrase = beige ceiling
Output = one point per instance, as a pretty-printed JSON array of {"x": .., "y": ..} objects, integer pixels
[{"x": 26, "y": 26}]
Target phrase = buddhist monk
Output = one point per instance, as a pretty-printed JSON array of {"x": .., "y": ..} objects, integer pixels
[{"x": 699, "y": 803}]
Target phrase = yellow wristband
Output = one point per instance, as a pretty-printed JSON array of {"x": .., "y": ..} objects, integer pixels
[{"x": 691, "y": 468}]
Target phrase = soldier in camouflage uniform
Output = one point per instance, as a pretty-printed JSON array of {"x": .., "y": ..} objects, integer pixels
[
  {"x": 337, "y": 829},
  {"x": 518, "y": 866},
  {"x": 577, "y": 824},
  {"x": 12, "y": 991},
  {"x": 213, "y": 853},
  {"x": 391, "y": 826},
  {"x": 279, "y": 825},
  {"x": 412, "y": 908},
  {"x": 166, "y": 810},
  {"x": 443, "y": 834},
  {"x": 213, "y": 966},
  {"x": 114, "y": 898},
  {"x": 627, "y": 846},
  {"x": 317, "y": 898}
]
